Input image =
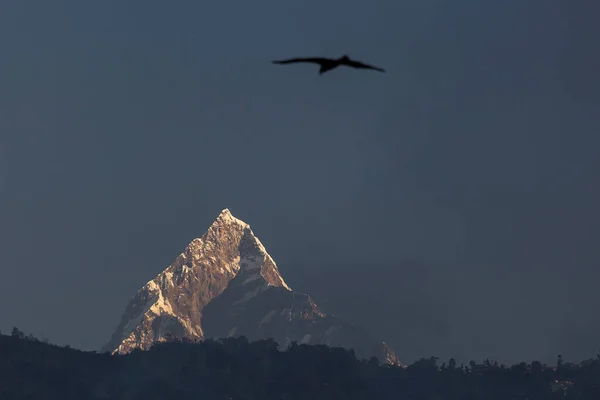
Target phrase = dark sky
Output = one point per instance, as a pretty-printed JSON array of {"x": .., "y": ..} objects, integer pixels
[{"x": 451, "y": 204}]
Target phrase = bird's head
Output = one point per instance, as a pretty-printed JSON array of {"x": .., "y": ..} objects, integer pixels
[{"x": 345, "y": 57}]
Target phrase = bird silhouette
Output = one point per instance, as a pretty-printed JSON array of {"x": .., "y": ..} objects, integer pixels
[{"x": 327, "y": 64}]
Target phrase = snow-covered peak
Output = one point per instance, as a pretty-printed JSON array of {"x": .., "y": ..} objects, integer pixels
[
  {"x": 208, "y": 265},
  {"x": 253, "y": 256},
  {"x": 225, "y": 283},
  {"x": 225, "y": 217}
]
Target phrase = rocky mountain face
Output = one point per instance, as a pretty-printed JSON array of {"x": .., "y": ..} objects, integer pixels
[{"x": 226, "y": 284}]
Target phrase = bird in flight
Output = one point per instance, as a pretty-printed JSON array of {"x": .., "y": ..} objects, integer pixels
[{"x": 327, "y": 64}]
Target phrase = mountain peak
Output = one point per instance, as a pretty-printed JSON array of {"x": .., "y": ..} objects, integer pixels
[
  {"x": 223, "y": 284},
  {"x": 173, "y": 302},
  {"x": 252, "y": 255},
  {"x": 226, "y": 216}
]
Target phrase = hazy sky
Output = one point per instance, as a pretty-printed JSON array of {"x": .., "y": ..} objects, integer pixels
[{"x": 451, "y": 205}]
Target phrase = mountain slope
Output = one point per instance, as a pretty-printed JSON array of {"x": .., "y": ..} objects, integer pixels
[{"x": 226, "y": 284}]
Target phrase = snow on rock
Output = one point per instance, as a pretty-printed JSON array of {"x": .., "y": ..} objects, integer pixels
[
  {"x": 224, "y": 284},
  {"x": 173, "y": 301},
  {"x": 248, "y": 295},
  {"x": 305, "y": 339},
  {"x": 232, "y": 331},
  {"x": 267, "y": 318}
]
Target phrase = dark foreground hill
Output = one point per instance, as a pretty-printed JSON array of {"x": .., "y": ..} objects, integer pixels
[{"x": 235, "y": 369}]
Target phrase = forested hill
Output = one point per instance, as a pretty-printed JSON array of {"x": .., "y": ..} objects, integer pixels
[{"x": 236, "y": 369}]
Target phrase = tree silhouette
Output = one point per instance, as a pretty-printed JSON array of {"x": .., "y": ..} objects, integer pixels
[
  {"x": 17, "y": 333},
  {"x": 235, "y": 368}
]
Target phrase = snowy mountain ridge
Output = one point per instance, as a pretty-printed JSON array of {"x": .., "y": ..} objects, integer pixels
[{"x": 226, "y": 284}]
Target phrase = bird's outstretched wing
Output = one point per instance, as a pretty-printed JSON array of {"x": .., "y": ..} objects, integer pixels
[
  {"x": 357, "y": 64},
  {"x": 317, "y": 60}
]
